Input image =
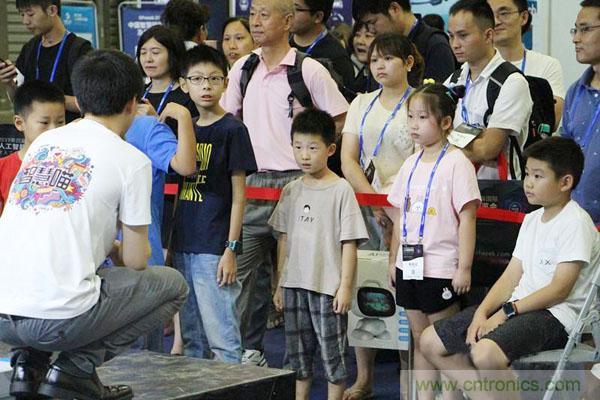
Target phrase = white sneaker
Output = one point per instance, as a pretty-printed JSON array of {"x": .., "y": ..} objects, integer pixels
[{"x": 254, "y": 357}]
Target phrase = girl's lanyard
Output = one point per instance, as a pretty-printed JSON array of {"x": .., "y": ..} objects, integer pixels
[
  {"x": 161, "y": 105},
  {"x": 585, "y": 140},
  {"x": 316, "y": 42},
  {"x": 56, "y": 60},
  {"x": 524, "y": 62},
  {"x": 427, "y": 192},
  {"x": 361, "y": 139},
  {"x": 465, "y": 113}
]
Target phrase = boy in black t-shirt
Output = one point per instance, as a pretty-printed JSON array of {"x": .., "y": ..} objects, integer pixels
[
  {"x": 209, "y": 215},
  {"x": 49, "y": 56}
]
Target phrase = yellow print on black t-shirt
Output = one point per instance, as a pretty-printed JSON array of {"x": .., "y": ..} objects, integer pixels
[{"x": 191, "y": 184}]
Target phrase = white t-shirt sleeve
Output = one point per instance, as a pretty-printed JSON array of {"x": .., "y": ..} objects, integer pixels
[
  {"x": 354, "y": 116},
  {"x": 555, "y": 77},
  {"x": 134, "y": 207},
  {"x": 513, "y": 105},
  {"x": 576, "y": 242}
]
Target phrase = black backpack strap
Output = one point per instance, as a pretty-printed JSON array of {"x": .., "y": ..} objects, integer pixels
[
  {"x": 247, "y": 70},
  {"x": 497, "y": 79},
  {"x": 455, "y": 76},
  {"x": 296, "y": 81}
]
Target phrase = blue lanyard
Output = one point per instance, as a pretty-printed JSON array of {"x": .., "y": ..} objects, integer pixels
[
  {"x": 427, "y": 192},
  {"x": 465, "y": 113},
  {"x": 588, "y": 133},
  {"x": 164, "y": 98},
  {"x": 56, "y": 60},
  {"x": 316, "y": 42},
  {"x": 524, "y": 62},
  {"x": 361, "y": 140}
]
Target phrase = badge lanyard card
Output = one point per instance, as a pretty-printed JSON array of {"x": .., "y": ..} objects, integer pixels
[{"x": 466, "y": 132}]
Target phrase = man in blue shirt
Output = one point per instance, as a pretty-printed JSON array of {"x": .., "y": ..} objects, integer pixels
[{"x": 582, "y": 106}]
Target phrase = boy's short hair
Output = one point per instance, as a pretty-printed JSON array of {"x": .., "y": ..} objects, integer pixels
[
  {"x": 184, "y": 17},
  {"x": 203, "y": 54},
  {"x": 315, "y": 122},
  {"x": 590, "y": 3},
  {"x": 325, "y": 6},
  {"x": 362, "y": 7},
  {"x": 44, "y": 4},
  {"x": 564, "y": 156},
  {"x": 36, "y": 90},
  {"x": 104, "y": 81},
  {"x": 481, "y": 10}
]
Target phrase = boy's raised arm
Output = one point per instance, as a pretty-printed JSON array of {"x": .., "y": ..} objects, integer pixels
[{"x": 184, "y": 160}]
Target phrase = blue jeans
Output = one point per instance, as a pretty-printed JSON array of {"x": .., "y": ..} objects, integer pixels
[{"x": 209, "y": 319}]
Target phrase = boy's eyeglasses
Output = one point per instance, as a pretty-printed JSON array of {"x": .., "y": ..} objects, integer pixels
[
  {"x": 199, "y": 80},
  {"x": 583, "y": 29}
]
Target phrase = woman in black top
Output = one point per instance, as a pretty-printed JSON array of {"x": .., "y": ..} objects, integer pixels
[{"x": 159, "y": 54}]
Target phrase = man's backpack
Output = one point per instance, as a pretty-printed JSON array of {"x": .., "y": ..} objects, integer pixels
[
  {"x": 295, "y": 79},
  {"x": 542, "y": 119}
]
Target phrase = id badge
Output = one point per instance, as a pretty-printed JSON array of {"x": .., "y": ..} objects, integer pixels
[
  {"x": 370, "y": 170},
  {"x": 463, "y": 134},
  {"x": 412, "y": 262}
]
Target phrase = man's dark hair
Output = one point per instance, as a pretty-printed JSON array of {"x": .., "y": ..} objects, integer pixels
[
  {"x": 435, "y": 21},
  {"x": 315, "y": 122},
  {"x": 362, "y": 7},
  {"x": 204, "y": 54},
  {"x": 104, "y": 81},
  {"x": 171, "y": 41},
  {"x": 184, "y": 17},
  {"x": 590, "y": 3},
  {"x": 325, "y": 6},
  {"x": 564, "y": 156},
  {"x": 42, "y": 3},
  {"x": 36, "y": 90},
  {"x": 481, "y": 10},
  {"x": 523, "y": 5}
]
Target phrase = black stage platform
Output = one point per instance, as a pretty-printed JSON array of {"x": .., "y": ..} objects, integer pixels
[{"x": 163, "y": 377}]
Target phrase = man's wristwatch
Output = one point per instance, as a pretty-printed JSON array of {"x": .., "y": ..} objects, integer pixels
[
  {"x": 509, "y": 309},
  {"x": 234, "y": 245}
]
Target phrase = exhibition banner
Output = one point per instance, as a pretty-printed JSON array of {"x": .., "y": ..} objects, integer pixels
[
  {"x": 134, "y": 19},
  {"x": 80, "y": 18}
]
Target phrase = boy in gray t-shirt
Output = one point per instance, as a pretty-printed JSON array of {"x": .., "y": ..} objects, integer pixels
[{"x": 319, "y": 223}]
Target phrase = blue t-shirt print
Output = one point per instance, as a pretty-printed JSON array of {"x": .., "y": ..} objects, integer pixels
[{"x": 204, "y": 199}]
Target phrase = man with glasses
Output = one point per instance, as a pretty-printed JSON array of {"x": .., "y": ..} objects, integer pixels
[
  {"x": 267, "y": 108},
  {"x": 383, "y": 16},
  {"x": 310, "y": 36},
  {"x": 513, "y": 20},
  {"x": 582, "y": 106}
]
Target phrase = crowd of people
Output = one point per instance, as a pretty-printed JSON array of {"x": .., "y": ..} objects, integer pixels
[{"x": 393, "y": 105}]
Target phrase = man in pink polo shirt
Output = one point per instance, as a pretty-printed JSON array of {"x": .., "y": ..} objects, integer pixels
[{"x": 266, "y": 112}]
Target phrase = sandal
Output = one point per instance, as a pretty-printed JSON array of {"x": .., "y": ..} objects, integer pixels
[{"x": 357, "y": 394}]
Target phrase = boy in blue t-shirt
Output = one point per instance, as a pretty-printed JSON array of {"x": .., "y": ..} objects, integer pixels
[{"x": 209, "y": 214}]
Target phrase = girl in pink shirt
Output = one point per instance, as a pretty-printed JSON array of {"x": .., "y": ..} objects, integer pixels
[{"x": 433, "y": 241}]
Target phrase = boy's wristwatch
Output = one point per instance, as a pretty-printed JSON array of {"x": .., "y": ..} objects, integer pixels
[
  {"x": 509, "y": 309},
  {"x": 234, "y": 245}
]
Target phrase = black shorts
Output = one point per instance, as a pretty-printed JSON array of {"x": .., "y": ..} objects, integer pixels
[
  {"x": 519, "y": 336},
  {"x": 430, "y": 295}
]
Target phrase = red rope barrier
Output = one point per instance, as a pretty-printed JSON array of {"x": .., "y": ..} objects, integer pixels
[{"x": 371, "y": 199}]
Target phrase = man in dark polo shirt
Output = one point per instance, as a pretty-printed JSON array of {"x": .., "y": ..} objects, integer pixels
[
  {"x": 50, "y": 55},
  {"x": 395, "y": 15}
]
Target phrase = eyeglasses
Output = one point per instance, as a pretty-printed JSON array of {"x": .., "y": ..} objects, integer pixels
[
  {"x": 299, "y": 9},
  {"x": 505, "y": 15},
  {"x": 583, "y": 29},
  {"x": 199, "y": 80}
]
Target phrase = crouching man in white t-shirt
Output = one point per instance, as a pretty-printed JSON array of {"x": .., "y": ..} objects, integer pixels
[
  {"x": 76, "y": 185},
  {"x": 535, "y": 303}
]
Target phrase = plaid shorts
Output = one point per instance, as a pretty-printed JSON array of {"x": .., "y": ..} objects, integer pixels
[{"x": 310, "y": 323}]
